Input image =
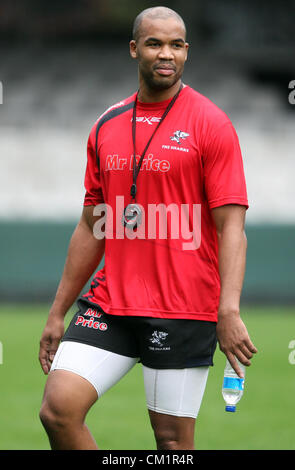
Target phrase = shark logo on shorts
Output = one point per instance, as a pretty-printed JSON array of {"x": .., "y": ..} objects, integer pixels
[
  {"x": 158, "y": 337},
  {"x": 179, "y": 135}
]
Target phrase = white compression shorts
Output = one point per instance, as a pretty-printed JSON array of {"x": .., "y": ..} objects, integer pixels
[{"x": 176, "y": 392}]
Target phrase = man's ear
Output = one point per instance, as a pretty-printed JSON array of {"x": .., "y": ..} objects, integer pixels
[
  {"x": 133, "y": 49},
  {"x": 186, "y": 47}
]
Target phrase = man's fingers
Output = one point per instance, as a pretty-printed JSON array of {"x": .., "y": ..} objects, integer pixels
[
  {"x": 243, "y": 354},
  {"x": 43, "y": 359},
  {"x": 49, "y": 343},
  {"x": 251, "y": 347},
  {"x": 47, "y": 353},
  {"x": 53, "y": 347},
  {"x": 247, "y": 349},
  {"x": 52, "y": 353},
  {"x": 44, "y": 366},
  {"x": 242, "y": 358},
  {"x": 233, "y": 362}
]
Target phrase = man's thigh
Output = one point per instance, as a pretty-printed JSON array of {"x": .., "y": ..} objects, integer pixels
[
  {"x": 67, "y": 395},
  {"x": 101, "y": 368},
  {"x": 175, "y": 392}
]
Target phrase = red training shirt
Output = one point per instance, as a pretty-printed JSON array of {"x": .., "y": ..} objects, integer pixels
[{"x": 194, "y": 163}]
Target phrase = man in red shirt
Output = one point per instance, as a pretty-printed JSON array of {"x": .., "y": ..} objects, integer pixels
[{"x": 165, "y": 203}]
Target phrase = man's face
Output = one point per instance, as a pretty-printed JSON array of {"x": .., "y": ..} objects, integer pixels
[{"x": 161, "y": 52}]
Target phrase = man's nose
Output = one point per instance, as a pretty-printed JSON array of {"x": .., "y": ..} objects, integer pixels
[{"x": 165, "y": 52}]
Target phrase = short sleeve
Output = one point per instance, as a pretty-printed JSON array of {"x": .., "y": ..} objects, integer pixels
[
  {"x": 224, "y": 176},
  {"x": 93, "y": 194}
]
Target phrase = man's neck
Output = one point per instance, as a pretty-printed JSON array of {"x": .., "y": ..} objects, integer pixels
[{"x": 146, "y": 95}]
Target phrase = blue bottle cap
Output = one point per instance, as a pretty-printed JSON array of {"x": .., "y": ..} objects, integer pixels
[{"x": 230, "y": 408}]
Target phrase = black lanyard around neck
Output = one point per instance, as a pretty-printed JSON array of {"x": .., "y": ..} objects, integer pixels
[{"x": 136, "y": 167}]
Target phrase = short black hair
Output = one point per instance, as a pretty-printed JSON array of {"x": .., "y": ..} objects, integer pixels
[{"x": 154, "y": 12}]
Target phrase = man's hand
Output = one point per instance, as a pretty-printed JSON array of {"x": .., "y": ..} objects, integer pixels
[
  {"x": 234, "y": 341},
  {"x": 49, "y": 342}
]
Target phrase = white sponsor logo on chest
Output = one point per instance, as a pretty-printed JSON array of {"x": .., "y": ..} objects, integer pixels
[{"x": 147, "y": 119}]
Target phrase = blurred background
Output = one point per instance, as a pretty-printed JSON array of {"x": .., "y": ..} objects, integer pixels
[{"x": 62, "y": 64}]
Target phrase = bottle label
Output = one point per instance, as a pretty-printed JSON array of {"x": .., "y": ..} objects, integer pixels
[{"x": 233, "y": 383}]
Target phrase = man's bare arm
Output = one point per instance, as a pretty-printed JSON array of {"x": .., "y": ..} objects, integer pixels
[
  {"x": 84, "y": 255},
  {"x": 232, "y": 334}
]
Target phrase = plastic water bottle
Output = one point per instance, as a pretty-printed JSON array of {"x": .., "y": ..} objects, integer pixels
[{"x": 233, "y": 386}]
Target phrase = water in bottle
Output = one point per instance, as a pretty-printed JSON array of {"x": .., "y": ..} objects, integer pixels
[{"x": 233, "y": 386}]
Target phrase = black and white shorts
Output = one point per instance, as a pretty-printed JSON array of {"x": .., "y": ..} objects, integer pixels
[
  {"x": 175, "y": 354},
  {"x": 158, "y": 342}
]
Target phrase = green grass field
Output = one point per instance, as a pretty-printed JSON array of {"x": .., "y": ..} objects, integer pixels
[{"x": 265, "y": 417}]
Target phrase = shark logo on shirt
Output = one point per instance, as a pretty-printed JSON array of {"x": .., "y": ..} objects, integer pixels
[{"x": 179, "y": 135}]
